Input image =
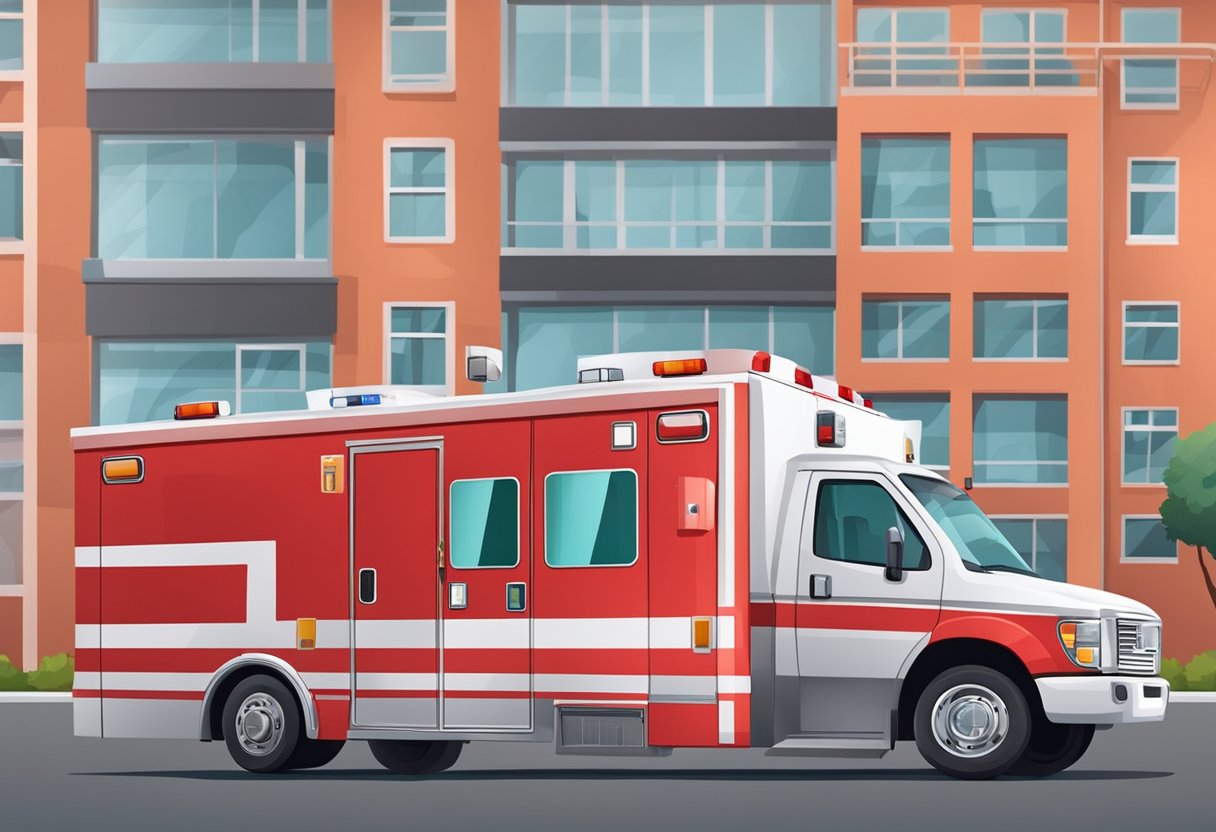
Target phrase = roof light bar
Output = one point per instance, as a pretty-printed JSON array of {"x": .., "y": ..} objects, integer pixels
[
  {"x": 598, "y": 374},
  {"x": 680, "y": 367},
  {"x": 357, "y": 400},
  {"x": 803, "y": 378},
  {"x": 201, "y": 410}
]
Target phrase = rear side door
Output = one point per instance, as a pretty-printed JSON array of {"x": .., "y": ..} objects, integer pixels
[{"x": 854, "y": 627}]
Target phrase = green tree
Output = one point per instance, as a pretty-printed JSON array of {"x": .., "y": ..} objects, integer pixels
[{"x": 1189, "y": 510}]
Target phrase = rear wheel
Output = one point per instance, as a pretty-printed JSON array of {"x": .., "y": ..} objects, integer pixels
[
  {"x": 414, "y": 757},
  {"x": 1052, "y": 748},
  {"x": 262, "y": 724},
  {"x": 314, "y": 753},
  {"x": 972, "y": 722}
]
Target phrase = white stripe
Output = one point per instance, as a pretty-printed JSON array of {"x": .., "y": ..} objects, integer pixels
[
  {"x": 327, "y": 681},
  {"x": 396, "y": 681},
  {"x": 487, "y": 681},
  {"x": 474, "y": 633},
  {"x": 592, "y": 633},
  {"x": 279, "y": 635},
  {"x": 88, "y": 556},
  {"x": 143, "y": 681},
  {"x": 683, "y": 686},
  {"x": 734, "y": 684},
  {"x": 591, "y": 683},
  {"x": 398, "y": 634},
  {"x": 726, "y": 722}
]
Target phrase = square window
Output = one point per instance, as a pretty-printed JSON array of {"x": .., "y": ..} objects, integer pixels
[
  {"x": 1148, "y": 443},
  {"x": 419, "y": 46},
  {"x": 1020, "y": 197},
  {"x": 1152, "y": 194},
  {"x": 1150, "y": 83},
  {"x": 419, "y": 198},
  {"x": 1021, "y": 440},
  {"x": 1151, "y": 333},
  {"x": 906, "y": 329},
  {"x": 1145, "y": 539},
  {"x": 418, "y": 346}
]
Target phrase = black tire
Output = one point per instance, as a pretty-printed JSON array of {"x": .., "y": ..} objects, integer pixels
[
  {"x": 413, "y": 757},
  {"x": 262, "y": 724},
  {"x": 1052, "y": 748},
  {"x": 972, "y": 722},
  {"x": 314, "y": 753}
]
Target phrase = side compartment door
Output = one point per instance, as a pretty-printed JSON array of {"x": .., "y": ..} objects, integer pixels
[
  {"x": 396, "y": 508},
  {"x": 855, "y": 628}
]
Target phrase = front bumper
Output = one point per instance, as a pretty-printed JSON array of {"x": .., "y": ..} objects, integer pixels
[{"x": 1104, "y": 700}]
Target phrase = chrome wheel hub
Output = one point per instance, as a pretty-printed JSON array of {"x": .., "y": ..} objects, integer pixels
[
  {"x": 970, "y": 721},
  {"x": 259, "y": 724}
]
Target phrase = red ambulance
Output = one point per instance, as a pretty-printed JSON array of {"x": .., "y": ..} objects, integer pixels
[{"x": 710, "y": 549}]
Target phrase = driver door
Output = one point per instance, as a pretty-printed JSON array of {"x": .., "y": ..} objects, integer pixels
[{"x": 855, "y": 628}]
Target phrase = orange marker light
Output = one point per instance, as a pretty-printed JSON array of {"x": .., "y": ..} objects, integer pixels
[
  {"x": 1068, "y": 635},
  {"x": 702, "y": 634},
  {"x": 122, "y": 469},
  {"x": 680, "y": 367},
  {"x": 201, "y": 410}
]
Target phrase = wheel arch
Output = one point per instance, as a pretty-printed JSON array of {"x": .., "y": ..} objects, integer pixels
[{"x": 242, "y": 667}]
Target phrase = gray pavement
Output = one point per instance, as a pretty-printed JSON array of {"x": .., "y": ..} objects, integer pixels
[{"x": 1142, "y": 777}]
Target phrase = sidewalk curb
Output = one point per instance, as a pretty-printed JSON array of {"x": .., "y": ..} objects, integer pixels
[{"x": 30, "y": 697}]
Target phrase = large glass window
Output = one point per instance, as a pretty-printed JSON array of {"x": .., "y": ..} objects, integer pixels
[
  {"x": 485, "y": 523},
  {"x": 652, "y": 204},
  {"x": 591, "y": 518},
  {"x": 1021, "y": 328},
  {"x": 419, "y": 346},
  {"x": 1041, "y": 541},
  {"x": 419, "y": 202},
  {"x": 1021, "y": 440},
  {"x": 1006, "y": 64},
  {"x": 140, "y": 381},
  {"x": 1021, "y": 193},
  {"x": 418, "y": 46},
  {"x": 12, "y": 188},
  {"x": 905, "y": 192},
  {"x": 1151, "y": 83},
  {"x": 12, "y": 36},
  {"x": 902, "y": 48},
  {"x": 1145, "y": 539},
  {"x": 911, "y": 329},
  {"x": 551, "y": 338},
  {"x": 851, "y": 522},
  {"x": 212, "y": 31},
  {"x": 933, "y": 413},
  {"x": 11, "y": 402},
  {"x": 1150, "y": 333},
  {"x": 212, "y": 199},
  {"x": 1152, "y": 200},
  {"x": 1148, "y": 443},
  {"x": 745, "y": 53}
]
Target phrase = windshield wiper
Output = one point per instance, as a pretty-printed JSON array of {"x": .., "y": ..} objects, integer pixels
[
  {"x": 1000, "y": 567},
  {"x": 975, "y": 567}
]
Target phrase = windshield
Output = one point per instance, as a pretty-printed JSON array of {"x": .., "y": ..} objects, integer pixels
[{"x": 979, "y": 542}]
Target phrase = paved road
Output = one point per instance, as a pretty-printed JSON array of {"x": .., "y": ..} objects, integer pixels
[{"x": 1136, "y": 778}]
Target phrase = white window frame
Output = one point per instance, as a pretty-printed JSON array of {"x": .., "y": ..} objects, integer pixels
[
  {"x": 1125, "y": 428},
  {"x": 1125, "y": 558},
  {"x": 438, "y": 84},
  {"x": 997, "y": 221},
  {"x": 518, "y": 519},
  {"x": 893, "y": 45},
  {"x": 301, "y": 386},
  {"x": 1032, "y": 45},
  {"x": 1034, "y": 519},
  {"x": 1150, "y": 325},
  {"x": 1134, "y": 239},
  {"x": 448, "y": 335},
  {"x": 448, "y": 146},
  {"x": 637, "y": 509},
  {"x": 1034, "y": 331},
  {"x": 899, "y": 337},
  {"x": 1123, "y": 102}
]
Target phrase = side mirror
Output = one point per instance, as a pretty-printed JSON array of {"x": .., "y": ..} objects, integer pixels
[
  {"x": 483, "y": 364},
  {"x": 895, "y": 554}
]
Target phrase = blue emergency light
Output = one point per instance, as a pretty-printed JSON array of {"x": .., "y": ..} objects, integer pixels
[{"x": 357, "y": 400}]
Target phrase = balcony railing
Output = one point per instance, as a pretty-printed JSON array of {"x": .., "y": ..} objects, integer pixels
[
  {"x": 975, "y": 68},
  {"x": 668, "y": 236}
]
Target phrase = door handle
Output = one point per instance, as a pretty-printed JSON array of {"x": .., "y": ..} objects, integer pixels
[
  {"x": 821, "y": 586},
  {"x": 367, "y": 586}
]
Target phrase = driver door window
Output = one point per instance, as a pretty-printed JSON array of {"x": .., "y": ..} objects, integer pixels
[{"x": 851, "y": 522}]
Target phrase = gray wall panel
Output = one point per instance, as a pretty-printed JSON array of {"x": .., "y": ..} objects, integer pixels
[
  {"x": 667, "y": 124},
  {"x": 211, "y": 110}
]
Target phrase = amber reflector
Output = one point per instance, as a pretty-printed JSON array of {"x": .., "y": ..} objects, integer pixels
[
  {"x": 198, "y": 410},
  {"x": 701, "y": 634},
  {"x": 123, "y": 469},
  {"x": 680, "y": 367}
]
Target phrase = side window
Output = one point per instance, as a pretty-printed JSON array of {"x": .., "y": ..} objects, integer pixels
[
  {"x": 485, "y": 523},
  {"x": 591, "y": 518},
  {"x": 851, "y": 522}
]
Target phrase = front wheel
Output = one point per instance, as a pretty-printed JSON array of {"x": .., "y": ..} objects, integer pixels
[
  {"x": 1052, "y": 748},
  {"x": 972, "y": 722},
  {"x": 415, "y": 757},
  {"x": 262, "y": 724}
]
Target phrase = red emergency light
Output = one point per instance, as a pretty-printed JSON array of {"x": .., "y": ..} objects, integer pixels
[
  {"x": 803, "y": 378},
  {"x": 762, "y": 362}
]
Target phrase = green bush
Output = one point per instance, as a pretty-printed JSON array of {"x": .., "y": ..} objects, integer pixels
[
  {"x": 11, "y": 677},
  {"x": 54, "y": 673},
  {"x": 1201, "y": 672},
  {"x": 1174, "y": 672}
]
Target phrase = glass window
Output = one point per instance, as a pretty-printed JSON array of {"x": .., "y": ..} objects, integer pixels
[
  {"x": 139, "y": 381},
  {"x": 212, "y": 31},
  {"x": 1015, "y": 328},
  {"x": 539, "y": 55},
  {"x": 1006, "y": 65},
  {"x": 906, "y": 56},
  {"x": 905, "y": 192},
  {"x": 485, "y": 523},
  {"x": 535, "y": 197},
  {"x": 595, "y": 204},
  {"x": 912, "y": 330},
  {"x": 738, "y": 50},
  {"x": 851, "y": 522},
  {"x": 1042, "y": 542},
  {"x": 645, "y": 328},
  {"x": 933, "y": 413},
  {"x": 12, "y": 188},
  {"x": 551, "y": 339},
  {"x": 1150, "y": 333},
  {"x": 1153, "y": 200},
  {"x": 803, "y": 58},
  {"x": 12, "y": 407},
  {"x": 1151, "y": 83},
  {"x": 208, "y": 199},
  {"x": 1145, "y": 538},
  {"x": 1148, "y": 444},
  {"x": 12, "y": 37},
  {"x": 591, "y": 518},
  {"x": 1021, "y": 193},
  {"x": 806, "y": 335},
  {"x": 625, "y": 48},
  {"x": 419, "y": 42},
  {"x": 586, "y": 67},
  {"x": 419, "y": 202},
  {"x": 1021, "y": 440},
  {"x": 418, "y": 346}
]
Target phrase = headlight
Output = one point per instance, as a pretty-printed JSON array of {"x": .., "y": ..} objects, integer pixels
[{"x": 1082, "y": 641}]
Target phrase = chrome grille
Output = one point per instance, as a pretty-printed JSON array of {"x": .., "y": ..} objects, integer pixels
[{"x": 1132, "y": 657}]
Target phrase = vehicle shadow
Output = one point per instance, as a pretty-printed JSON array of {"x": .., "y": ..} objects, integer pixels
[{"x": 758, "y": 775}]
